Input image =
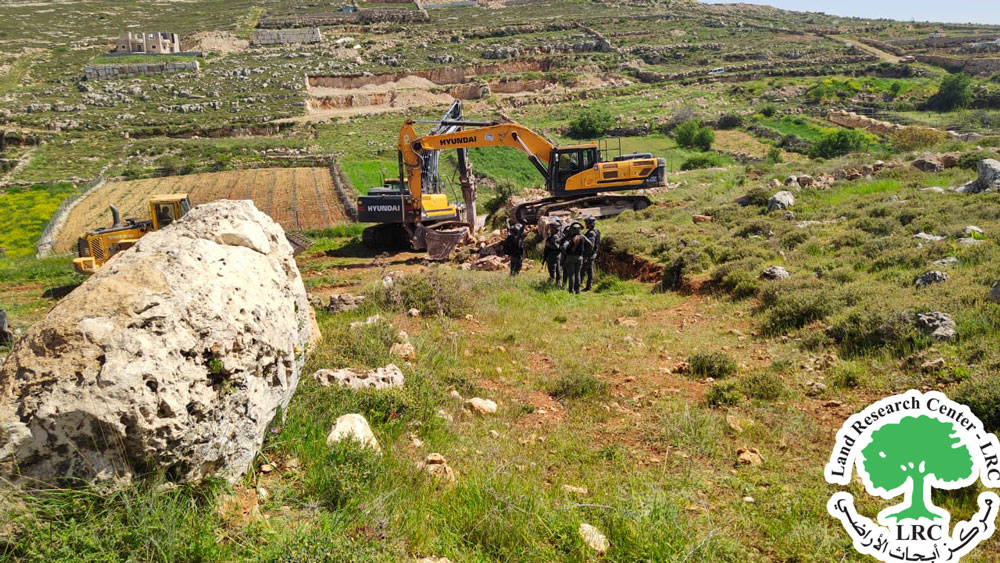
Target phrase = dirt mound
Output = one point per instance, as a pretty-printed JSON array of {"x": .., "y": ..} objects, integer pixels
[{"x": 216, "y": 42}]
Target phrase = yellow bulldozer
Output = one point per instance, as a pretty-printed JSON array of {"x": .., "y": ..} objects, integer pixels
[{"x": 98, "y": 246}]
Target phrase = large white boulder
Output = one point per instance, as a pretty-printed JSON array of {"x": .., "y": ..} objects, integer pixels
[{"x": 175, "y": 356}]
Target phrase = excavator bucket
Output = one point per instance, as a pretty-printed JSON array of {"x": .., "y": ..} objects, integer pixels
[{"x": 441, "y": 242}]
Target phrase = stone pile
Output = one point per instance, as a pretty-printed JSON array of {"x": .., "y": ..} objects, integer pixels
[{"x": 111, "y": 71}]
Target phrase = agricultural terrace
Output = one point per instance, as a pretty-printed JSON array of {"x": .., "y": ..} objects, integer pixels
[{"x": 300, "y": 199}]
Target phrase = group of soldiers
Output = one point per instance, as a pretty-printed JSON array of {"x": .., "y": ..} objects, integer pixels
[{"x": 569, "y": 252}]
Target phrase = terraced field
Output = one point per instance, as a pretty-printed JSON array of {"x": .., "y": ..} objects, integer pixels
[{"x": 300, "y": 199}]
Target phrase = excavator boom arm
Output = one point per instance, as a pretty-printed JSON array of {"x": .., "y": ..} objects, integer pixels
[{"x": 411, "y": 146}]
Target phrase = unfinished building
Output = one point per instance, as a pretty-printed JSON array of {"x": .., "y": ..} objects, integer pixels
[{"x": 156, "y": 42}]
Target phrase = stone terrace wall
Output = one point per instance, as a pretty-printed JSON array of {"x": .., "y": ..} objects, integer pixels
[
  {"x": 286, "y": 36},
  {"x": 364, "y": 16},
  {"x": 107, "y": 72},
  {"x": 968, "y": 66}
]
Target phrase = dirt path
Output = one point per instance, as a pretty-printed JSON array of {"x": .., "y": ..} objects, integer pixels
[{"x": 887, "y": 57}]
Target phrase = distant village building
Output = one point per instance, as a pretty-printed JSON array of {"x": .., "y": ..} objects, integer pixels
[
  {"x": 148, "y": 42},
  {"x": 936, "y": 34}
]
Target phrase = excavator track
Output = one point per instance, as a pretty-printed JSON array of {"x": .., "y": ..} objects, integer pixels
[{"x": 598, "y": 206}]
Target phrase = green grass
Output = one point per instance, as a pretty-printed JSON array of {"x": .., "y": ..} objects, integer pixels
[
  {"x": 24, "y": 212},
  {"x": 801, "y": 127}
]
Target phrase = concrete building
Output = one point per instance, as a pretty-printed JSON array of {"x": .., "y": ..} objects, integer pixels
[{"x": 148, "y": 42}]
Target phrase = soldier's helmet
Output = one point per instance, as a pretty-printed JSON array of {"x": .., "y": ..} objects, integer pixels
[{"x": 589, "y": 220}]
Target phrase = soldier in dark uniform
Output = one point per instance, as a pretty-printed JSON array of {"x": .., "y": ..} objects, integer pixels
[
  {"x": 513, "y": 247},
  {"x": 575, "y": 248},
  {"x": 553, "y": 251},
  {"x": 566, "y": 236},
  {"x": 594, "y": 236}
]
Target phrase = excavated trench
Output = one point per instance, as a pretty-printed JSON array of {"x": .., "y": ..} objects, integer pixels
[{"x": 398, "y": 90}]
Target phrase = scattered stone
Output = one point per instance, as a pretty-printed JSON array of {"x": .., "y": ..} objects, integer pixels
[
  {"x": 928, "y": 238},
  {"x": 774, "y": 273},
  {"x": 443, "y": 415},
  {"x": 946, "y": 262},
  {"x": 776, "y": 183},
  {"x": 932, "y": 366},
  {"x": 433, "y": 560},
  {"x": 931, "y": 277},
  {"x": 735, "y": 424},
  {"x": 454, "y": 394},
  {"x": 928, "y": 164},
  {"x": 404, "y": 350},
  {"x": 413, "y": 312},
  {"x": 815, "y": 388},
  {"x": 353, "y": 427},
  {"x": 792, "y": 181},
  {"x": 790, "y": 215},
  {"x": 833, "y": 404},
  {"x": 748, "y": 499},
  {"x": 806, "y": 180},
  {"x": 933, "y": 190},
  {"x": 374, "y": 319},
  {"x": 582, "y": 491},
  {"x": 701, "y": 218},
  {"x": 379, "y": 378},
  {"x": 937, "y": 324},
  {"x": 179, "y": 353},
  {"x": 266, "y": 468},
  {"x": 974, "y": 231},
  {"x": 488, "y": 264},
  {"x": 780, "y": 201},
  {"x": 995, "y": 293},
  {"x": 627, "y": 322},
  {"x": 593, "y": 538},
  {"x": 438, "y": 467},
  {"x": 749, "y": 456},
  {"x": 481, "y": 406},
  {"x": 968, "y": 241},
  {"x": 344, "y": 302}
]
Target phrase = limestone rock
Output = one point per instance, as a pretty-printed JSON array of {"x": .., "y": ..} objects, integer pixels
[
  {"x": 932, "y": 277},
  {"x": 481, "y": 406},
  {"x": 946, "y": 262},
  {"x": 582, "y": 491},
  {"x": 404, "y": 350},
  {"x": 374, "y": 319},
  {"x": 749, "y": 456},
  {"x": 774, "y": 273},
  {"x": 937, "y": 324},
  {"x": 488, "y": 264},
  {"x": 176, "y": 356},
  {"x": 806, "y": 180},
  {"x": 437, "y": 466},
  {"x": 988, "y": 179},
  {"x": 344, "y": 302},
  {"x": 974, "y": 231},
  {"x": 379, "y": 378},
  {"x": 353, "y": 427},
  {"x": 593, "y": 538},
  {"x": 928, "y": 238},
  {"x": 780, "y": 201}
]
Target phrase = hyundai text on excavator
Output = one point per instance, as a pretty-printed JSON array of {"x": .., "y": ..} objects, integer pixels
[{"x": 575, "y": 175}]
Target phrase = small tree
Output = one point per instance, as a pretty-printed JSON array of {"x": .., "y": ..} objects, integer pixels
[
  {"x": 592, "y": 122},
  {"x": 692, "y": 135},
  {"x": 955, "y": 92},
  {"x": 704, "y": 138},
  {"x": 839, "y": 143},
  {"x": 912, "y": 450}
]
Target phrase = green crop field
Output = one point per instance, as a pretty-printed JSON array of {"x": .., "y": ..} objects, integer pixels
[{"x": 24, "y": 212}]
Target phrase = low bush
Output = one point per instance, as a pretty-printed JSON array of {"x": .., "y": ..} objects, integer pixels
[
  {"x": 431, "y": 292},
  {"x": 763, "y": 386},
  {"x": 774, "y": 155},
  {"x": 707, "y": 160},
  {"x": 970, "y": 160},
  {"x": 692, "y": 135},
  {"x": 577, "y": 386},
  {"x": 723, "y": 394},
  {"x": 840, "y": 143},
  {"x": 792, "y": 304},
  {"x": 730, "y": 121},
  {"x": 738, "y": 279},
  {"x": 982, "y": 396},
  {"x": 914, "y": 138},
  {"x": 862, "y": 331},
  {"x": 345, "y": 474},
  {"x": 769, "y": 110},
  {"x": 718, "y": 365}
]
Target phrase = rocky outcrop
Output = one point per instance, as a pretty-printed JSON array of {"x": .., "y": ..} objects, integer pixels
[
  {"x": 938, "y": 325},
  {"x": 780, "y": 201},
  {"x": 6, "y": 336},
  {"x": 379, "y": 378},
  {"x": 930, "y": 278},
  {"x": 988, "y": 179},
  {"x": 774, "y": 273},
  {"x": 353, "y": 427},
  {"x": 176, "y": 357}
]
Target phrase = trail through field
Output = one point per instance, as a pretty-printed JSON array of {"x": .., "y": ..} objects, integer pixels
[
  {"x": 889, "y": 58},
  {"x": 299, "y": 199}
]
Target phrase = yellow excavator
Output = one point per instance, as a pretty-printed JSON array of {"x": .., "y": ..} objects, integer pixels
[
  {"x": 576, "y": 176},
  {"x": 98, "y": 246}
]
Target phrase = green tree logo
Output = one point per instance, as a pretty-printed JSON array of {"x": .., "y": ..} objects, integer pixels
[{"x": 922, "y": 451}]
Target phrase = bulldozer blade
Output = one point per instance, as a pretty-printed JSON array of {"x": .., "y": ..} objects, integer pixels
[{"x": 299, "y": 243}]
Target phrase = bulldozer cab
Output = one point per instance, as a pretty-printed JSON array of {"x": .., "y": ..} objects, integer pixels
[{"x": 165, "y": 209}]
